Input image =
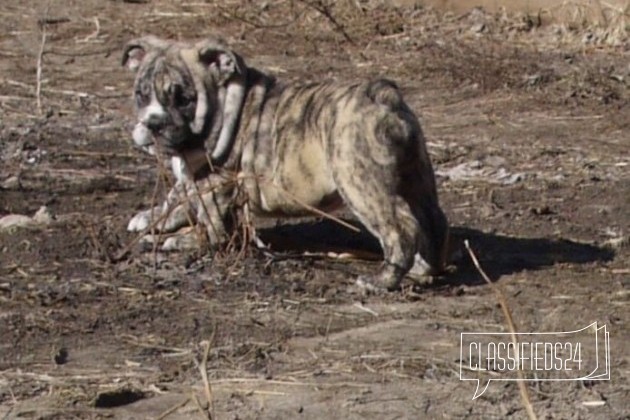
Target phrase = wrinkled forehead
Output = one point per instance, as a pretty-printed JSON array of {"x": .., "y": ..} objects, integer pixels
[{"x": 162, "y": 70}]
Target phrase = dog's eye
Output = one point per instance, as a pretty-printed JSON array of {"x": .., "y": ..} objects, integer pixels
[
  {"x": 141, "y": 97},
  {"x": 180, "y": 99}
]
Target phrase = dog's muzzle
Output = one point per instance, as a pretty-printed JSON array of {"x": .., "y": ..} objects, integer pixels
[{"x": 143, "y": 138}]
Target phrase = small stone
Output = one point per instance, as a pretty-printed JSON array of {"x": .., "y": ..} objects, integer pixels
[
  {"x": 43, "y": 216},
  {"x": 495, "y": 161},
  {"x": 60, "y": 357},
  {"x": 12, "y": 221},
  {"x": 479, "y": 28},
  {"x": 542, "y": 211},
  {"x": 11, "y": 183}
]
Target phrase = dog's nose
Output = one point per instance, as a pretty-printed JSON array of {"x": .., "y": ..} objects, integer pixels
[{"x": 155, "y": 123}]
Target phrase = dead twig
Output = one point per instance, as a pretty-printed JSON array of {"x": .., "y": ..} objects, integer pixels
[
  {"x": 13, "y": 98},
  {"x": 41, "y": 89},
  {"x": 136, "y": 341},
  {"x": 97, "y": 244},
  {"x": 173, "y": 409},
  {"x": 94, "y": 35},
  {"x": 123, "y": 252},
  {"x": 102, "y": 155},
  {"x": 316, "y": 210},
  {"x": 158, "y": 14},
  {"x": 52, "y": 20},
  {"x": 40, "y": 57},
  {"x": 325, "y": 10},
  {"x": 259, "y": 382},
  {"x": 203, "y": 371},
  {"x": 84, "y": 173},
  {"x": 202, "y": 410},
  {"x": 79, "y": 53},
  {"x": 522, "y": 386},
  {"x": 231, "y": 15},
  {"x": 161, "y": 176}
]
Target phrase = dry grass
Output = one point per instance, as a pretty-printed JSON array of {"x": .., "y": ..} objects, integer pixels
[
  {"x": 604, "y": 22},
  {"x": 503, "y": 303}
]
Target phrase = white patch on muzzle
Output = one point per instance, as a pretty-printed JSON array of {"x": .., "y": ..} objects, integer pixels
[
  {"x": 141, "y": 135},
  {"x": 143, "y": 138}
]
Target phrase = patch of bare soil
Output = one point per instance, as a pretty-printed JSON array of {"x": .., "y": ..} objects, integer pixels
[{"x": 528, "y": 127}]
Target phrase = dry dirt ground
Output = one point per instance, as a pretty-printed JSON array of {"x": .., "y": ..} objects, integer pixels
[{"x": 529, "y": 129}]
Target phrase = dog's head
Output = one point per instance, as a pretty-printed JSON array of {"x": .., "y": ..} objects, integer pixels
[{"x": 186, "y": 95}]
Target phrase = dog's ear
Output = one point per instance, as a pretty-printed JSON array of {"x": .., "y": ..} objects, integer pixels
[
  {"x": 219, "y": 59},
  {"x": 136, "y": 50}
]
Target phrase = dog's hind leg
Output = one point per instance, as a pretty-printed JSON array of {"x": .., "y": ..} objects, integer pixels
[
  {"x": 370, "y": 190},
  {"x": 389, "y": 218}
]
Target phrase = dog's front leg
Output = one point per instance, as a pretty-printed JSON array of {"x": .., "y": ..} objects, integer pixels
[
  {"x": 211, "y": 200},
  {"x": 174, "y": 213},
  {"x": 167, "y": 217}
]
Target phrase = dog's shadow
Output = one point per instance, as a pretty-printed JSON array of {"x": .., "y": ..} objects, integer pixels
[{"x": 498, "y": 254}]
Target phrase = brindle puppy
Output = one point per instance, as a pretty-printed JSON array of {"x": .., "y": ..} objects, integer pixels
[{"x": 316, "y": 144}]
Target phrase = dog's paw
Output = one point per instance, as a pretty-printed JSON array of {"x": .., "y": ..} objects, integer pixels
[
  {"x": 140, "y": 221},
  {"x": 421, "y": 272},
  {"x": 180, "y": 243},
  {"x": 367, "y": 285},
  {"x": 186, "y": 239},
  {"x": 146, "y": 243}
]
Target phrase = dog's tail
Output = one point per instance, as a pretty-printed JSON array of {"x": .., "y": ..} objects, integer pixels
[{"x": 385, "y": 92}]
